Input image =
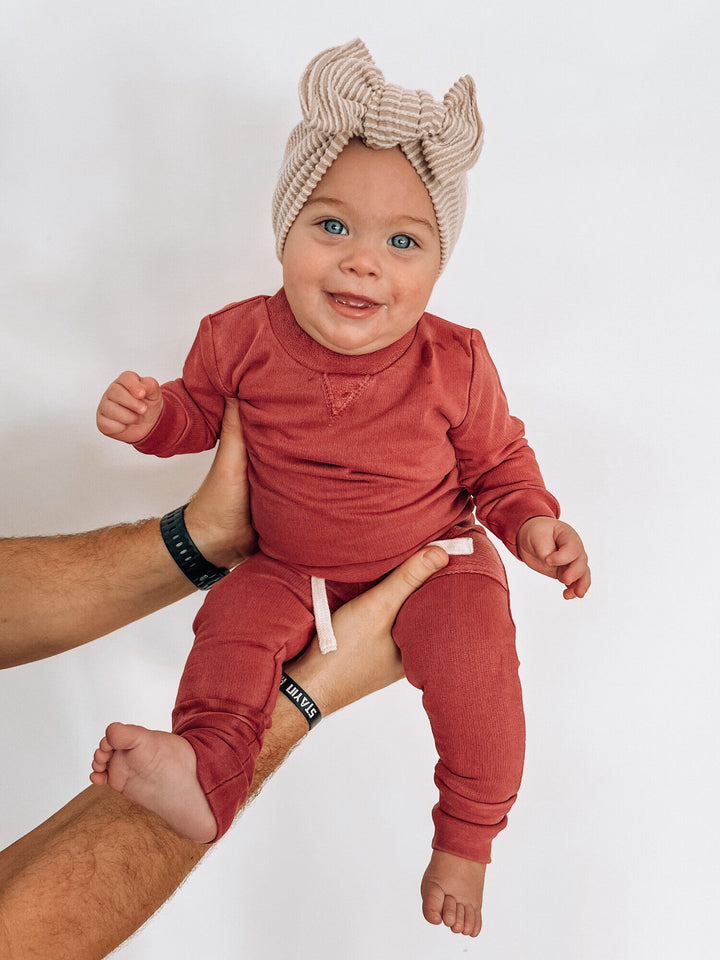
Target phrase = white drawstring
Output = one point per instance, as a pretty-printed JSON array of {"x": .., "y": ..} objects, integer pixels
[
  {"x": 460, "y": 546},
  {"x": 321, "y": 612}
]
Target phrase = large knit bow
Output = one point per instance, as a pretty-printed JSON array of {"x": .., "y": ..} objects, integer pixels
[{"x": 342, "y": 91}]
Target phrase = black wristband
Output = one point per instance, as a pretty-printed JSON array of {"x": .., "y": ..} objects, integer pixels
[
  {"x": 186, "y": 555},
  {"x": 305, "y": 704}
]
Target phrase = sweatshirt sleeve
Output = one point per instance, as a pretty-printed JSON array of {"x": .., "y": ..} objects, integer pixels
[
  {"x": 496, "y": 463},
  {"x": 193, "y": 405}
]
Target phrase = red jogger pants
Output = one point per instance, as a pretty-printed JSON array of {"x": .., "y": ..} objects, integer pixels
[{"x": 457, "y": 641}]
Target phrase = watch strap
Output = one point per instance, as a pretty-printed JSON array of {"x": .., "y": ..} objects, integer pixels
[
  {"x": 305, "y": 703},
  {"x": 185, "y": 553}
]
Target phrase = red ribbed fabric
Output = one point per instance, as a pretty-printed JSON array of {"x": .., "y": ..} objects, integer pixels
[
  {"x": 347, "y": 486},
  {"x": 458, "y": 646},
  {"x": 355, "y": 463}
]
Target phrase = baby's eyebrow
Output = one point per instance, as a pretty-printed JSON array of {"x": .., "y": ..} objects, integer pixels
[
  {"x": 333, "y": 201},
  {"x": 421, "y": 221},
  {"x": 402, "y": 218}
]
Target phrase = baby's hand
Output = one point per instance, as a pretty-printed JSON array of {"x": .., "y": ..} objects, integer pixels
[
  {"x": 130, "y": 407},
  {"x": 554, "y": 549}
]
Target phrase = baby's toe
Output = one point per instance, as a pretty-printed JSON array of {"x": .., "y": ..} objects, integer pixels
[
  {"x": 432, "y": 902},
  {"x": 471, "y": 916},
  {"x": 459, "y": 924},
  {"x": 449, "y": 911},
  {"x": 100, "y": 760}
]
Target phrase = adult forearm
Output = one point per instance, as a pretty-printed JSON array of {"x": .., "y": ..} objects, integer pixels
[
  {"x": 59, "y": 592},
  {"x": 81, "y": 883},
  {"x": 85, "y": 880}
]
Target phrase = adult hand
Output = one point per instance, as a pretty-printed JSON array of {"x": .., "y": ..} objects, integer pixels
[
  {"x": 366, "y": 658},
  {"x": 218, "y": 516}
]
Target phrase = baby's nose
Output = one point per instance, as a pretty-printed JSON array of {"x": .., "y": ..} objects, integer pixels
[{"x": 362, "y": 261}]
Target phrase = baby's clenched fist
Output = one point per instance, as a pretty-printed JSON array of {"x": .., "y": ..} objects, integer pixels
[{"x": 130, "y": 407}]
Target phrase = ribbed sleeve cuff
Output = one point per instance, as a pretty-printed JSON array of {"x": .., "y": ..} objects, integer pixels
[
  {"x": 163, "y": 438},
  {"x": 511, "y": 513},
  {"x": 469, "y": 840}
]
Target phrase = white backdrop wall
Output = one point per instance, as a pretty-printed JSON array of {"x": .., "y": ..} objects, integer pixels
[{"x": 139, "y": 149}]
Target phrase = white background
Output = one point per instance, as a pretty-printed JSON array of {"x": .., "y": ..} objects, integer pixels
[{"x": 140, "y": 144}]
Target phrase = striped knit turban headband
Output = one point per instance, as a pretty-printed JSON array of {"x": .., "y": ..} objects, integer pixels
[{"x": 343, "y": 96}]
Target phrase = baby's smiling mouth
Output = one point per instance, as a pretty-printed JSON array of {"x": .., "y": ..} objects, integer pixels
[{"x": 350, "y": 300}]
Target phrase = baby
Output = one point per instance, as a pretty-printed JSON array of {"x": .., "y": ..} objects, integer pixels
[{"x": 373, "y": 428}]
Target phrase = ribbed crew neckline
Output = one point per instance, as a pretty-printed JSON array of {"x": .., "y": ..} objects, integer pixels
[{"x": 301, "y": 346}]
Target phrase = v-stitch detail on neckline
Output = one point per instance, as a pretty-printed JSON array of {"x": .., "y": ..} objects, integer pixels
[{"x": 341, "y": 389}]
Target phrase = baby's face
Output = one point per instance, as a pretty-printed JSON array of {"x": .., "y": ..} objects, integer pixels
[{"x": 363, "y": 255}]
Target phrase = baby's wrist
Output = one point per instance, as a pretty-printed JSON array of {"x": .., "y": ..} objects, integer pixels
[
  {"x": 525, "y": 528},
  {"x": 150, "y": 425}
]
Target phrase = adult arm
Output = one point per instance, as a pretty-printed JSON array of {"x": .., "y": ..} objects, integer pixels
[
  {"x": 60, "y": 592},
  {"x": 82, "y": 882}
]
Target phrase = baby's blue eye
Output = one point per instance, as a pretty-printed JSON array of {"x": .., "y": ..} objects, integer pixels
[
  {"x": 401, "y": 241},
  {"x": 334, "y": 227}
]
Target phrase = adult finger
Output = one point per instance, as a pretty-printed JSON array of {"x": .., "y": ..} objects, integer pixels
[
  {"x": 231, "y": 455},
  {"x": 394, "y": 590},
  {"x": 367, "y": 658}
]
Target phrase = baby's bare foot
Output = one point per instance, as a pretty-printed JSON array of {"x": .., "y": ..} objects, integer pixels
[
  {"x": 452, "y": 893},
  {"x": 158, "y": 771}
]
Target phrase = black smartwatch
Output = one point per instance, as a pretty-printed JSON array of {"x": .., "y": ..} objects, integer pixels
[{"x": 185, "y": 553}]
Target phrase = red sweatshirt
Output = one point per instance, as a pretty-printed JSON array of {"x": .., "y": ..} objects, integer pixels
[{"x": 356, "y": 461}]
